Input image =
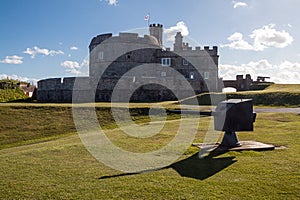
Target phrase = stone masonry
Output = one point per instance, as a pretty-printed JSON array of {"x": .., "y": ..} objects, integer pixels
[{"x": 165, "y": 72}]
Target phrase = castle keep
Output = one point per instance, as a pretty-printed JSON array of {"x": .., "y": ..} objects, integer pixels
[{"x": 139, "y": 67}]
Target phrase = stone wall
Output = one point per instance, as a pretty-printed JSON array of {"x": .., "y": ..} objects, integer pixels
[
  {"x": 240, "y": 84},
  {"x": 60, "y": 90},
  {"x": 112, "y": 58}
]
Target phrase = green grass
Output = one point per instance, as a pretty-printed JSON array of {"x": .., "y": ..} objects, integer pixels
[
  {"x": 57, "y": 166},
  {"x": 24, "y": 123},
  {"x": 293, "y": 88},
  {"x": 274, "y": 95}
]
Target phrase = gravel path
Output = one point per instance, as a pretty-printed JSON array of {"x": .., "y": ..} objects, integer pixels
[{"x": 277, "y": 110}]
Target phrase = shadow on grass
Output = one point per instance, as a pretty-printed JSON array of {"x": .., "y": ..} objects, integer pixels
[
  {"x": 193, "y": 167},
  {"x": 202, "y": 168}
]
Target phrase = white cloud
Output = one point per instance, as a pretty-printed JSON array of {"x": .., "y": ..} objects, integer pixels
[
  {"x": 73, "y": 67},
  {"x": 70, "y": 64},
  {"x": 229, "y": 72},
  {"x": 268, "y": 36},
  {"x": 260, "y": 65},
  {"x": 171, "y": 32},
  {"x": 36, "y": 50},
  {"x": 73, "y": 48},
  {"x": 111, "y": 2},
  {"x": 285, "y": 72},
  {"x": 235, "y": 36},
  {"x": 237, "y": 42},
  {"x": 263, "y": 38},
  {"x": 239, "y": 4},
  {"x": 16, "y": 60}
]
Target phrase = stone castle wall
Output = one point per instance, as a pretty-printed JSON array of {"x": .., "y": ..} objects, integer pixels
[
  {"x": 60, "y": 90},
  {"x": 112, "y": 57}
]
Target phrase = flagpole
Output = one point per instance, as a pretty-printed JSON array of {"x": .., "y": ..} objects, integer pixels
[{"x": 147, "y": 18}]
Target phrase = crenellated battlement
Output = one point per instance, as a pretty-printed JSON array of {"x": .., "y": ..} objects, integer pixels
[
  {"x": 156, "y": 25},
  {"x": 180, "y": 46},
  {"x": 155, "y": 32},
  {"x": 66, "y": 83},
  {"x": 185, "y": 46},
  {"x": 206, "y": 49}
]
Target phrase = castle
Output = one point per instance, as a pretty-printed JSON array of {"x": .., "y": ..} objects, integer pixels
[{"x": 139, "y": 67}]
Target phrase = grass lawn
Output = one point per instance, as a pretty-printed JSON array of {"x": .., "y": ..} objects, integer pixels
[
  {"x": 274, "y": 95},
  {"x": 42, "y": 157},
  {"x": 293, "y": 88}
]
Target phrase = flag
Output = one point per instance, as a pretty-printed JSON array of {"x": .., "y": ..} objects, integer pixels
[{"x": 147, "y": 17}]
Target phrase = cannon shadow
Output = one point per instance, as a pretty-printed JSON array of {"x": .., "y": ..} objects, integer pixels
[
  {"x": 202, "y": 168},
  {"x": 192, "y": 167}
]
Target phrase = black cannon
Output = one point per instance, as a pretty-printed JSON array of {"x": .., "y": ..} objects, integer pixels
[
  {"x": 230, "y": 116},
  {"x": 233, "y": 115}
]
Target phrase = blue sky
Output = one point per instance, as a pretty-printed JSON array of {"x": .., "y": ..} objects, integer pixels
[{"x": 41, "y": 39}]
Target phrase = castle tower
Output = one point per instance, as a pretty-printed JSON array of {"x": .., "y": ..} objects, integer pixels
[
  {"x": 178, "y": 42},
  {"x": 156, "y": 30}
]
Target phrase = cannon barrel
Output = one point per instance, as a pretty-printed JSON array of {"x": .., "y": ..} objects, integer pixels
[{"x": 191, "y": 112}]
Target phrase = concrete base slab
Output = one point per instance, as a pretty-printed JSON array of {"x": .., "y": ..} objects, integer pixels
[{"x": 245, "y": 146}]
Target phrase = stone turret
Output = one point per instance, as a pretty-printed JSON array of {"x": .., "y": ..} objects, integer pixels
[
  {"x": 178, "y": 45},
  {"x": 156, "y": 30}
]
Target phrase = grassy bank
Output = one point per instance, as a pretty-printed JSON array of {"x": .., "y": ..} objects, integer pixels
[
  {"x": 27, "y": 124},
  {"x": 61, "y": 168},
  {"x": 10, "y": 91},
  {"x": 274, "y": 95},
  {"x": 12, "y": 95},
  {"x": 23, "y": 123}
]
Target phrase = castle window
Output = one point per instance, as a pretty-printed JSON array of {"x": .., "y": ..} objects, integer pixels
[
  {"x": 163, "y": 74},
  {"x": 185, "y": 62},
  {"x": 166, "y": 62},
  {"x": 206, "y": 75},
  {"x": 100, "y": 55},
  {"x": 192, "y": 75}
]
